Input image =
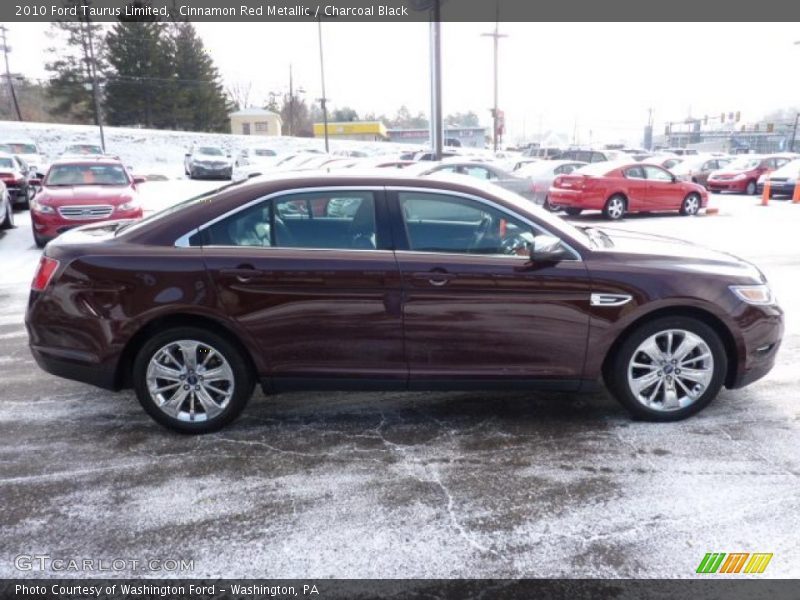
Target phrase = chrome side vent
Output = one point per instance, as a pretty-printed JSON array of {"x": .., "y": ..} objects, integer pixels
[{"x": 610, "y": 299}]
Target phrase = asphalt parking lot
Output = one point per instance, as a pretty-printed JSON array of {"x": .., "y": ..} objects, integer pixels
[{"x": 409, "y": 484}]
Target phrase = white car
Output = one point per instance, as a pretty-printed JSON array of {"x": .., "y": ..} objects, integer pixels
[
  {"x": 542, "y": 173},
  {"x": 29, "y": 152}
]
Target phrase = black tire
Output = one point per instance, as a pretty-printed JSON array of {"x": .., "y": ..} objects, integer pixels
[
  {"x": 617, "y": 373},
  {"x": 8, "y": 218},
  {"x": 243, "y": 379},
  {"x": 39, "y": 240},
  {"x": 751, "y": 187},
  {"x": 690, "y": 205},
  {"x": 572, "y": 211},
  {"x": 615, "y": 207},
  {"x": 547, "y": 206}
]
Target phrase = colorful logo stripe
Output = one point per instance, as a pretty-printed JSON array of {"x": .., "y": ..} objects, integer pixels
[{"x": 734, "y": 563}]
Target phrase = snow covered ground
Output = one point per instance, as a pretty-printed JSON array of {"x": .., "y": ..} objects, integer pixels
[{"x": 159, "y": 152}]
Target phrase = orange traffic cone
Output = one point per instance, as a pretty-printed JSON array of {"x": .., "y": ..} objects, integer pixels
[
  {"x": 796, "y": 194},
  {"x": 765, "y": 195}
]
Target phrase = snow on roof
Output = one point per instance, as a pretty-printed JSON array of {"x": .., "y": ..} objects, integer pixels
[{"x": 253, "y": 112}]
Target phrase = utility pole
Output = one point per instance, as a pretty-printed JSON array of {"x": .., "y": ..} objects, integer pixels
[
  {"x": 496, "y": 35},
  {"x": 11, "y": 92},
  {"x": 436, "y": 81},
  {"x": 794, "y": 132},
  {"x": 98, "y": 115},
  {"x": 324, "y": 99}
]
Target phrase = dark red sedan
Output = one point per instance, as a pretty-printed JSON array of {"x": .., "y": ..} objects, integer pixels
[
  {"x": 619, "y": 188},
  {"x": 387, "y": 282},
  {"x": 84, "y": 190}
]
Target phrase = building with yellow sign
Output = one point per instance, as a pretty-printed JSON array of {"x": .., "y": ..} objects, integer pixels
[{"x": 367, "y": 131}]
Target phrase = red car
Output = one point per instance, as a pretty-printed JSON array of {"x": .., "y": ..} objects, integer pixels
[
  {"x": 80, "y": 191},
  {"x": 741, "y": 175},
  {"x": 619, "y": 188}
]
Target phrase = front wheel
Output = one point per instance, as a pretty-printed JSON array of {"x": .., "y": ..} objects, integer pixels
[
  {"x": 751, "y": 188},
  {"x": 547, "y": 206},
  {"x": 668, "y": 369},
  {"x": 614, "y": 208},
  {"x": 690, "y": 205},
  {"x": 192, "y": 380}
]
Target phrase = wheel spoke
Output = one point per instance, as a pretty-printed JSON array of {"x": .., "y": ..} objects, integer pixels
[
  {"x": 223, "y": 372},
  {"x": 164, "y": 388},
  {"x": 189, "y": 352},
  {"x": 173, "y": 405},
  {"x": 163, "y": 372},
  {"x": 670, "y": 395},
  {"x": 698, "y": 375},
  {"x": 694, "y": 359},
  {"x": 684, "y": 348},
  {"x": 651, "y": 349},
  {"x": 212, "y": 408},
  {"x": 645, "y": 381}
]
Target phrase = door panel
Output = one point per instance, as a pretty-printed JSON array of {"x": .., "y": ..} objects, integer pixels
[
  {"x": 636, "y": 188},
  {"x": 493, "y": 318},
  {"x": 662, "y": 192}
]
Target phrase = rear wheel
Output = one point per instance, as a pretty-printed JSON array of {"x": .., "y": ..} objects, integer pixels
[
  {"x": 690, "y": 205},
  {"x": 751, "y": 188},
  {"x": 668, "y": 369},
  {"x": 547, "y": 206},
  {"x": 192, "y": 380},
  {"x": 573, "y": 212},
  {"x": 614, "y": 208}
]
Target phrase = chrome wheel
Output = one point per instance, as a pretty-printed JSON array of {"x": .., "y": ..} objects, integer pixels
[
  {"x": 670, "y": 370},
  {"x": 615, "y": 208},
  {"x": 190, "y": 380},
  {"x": 691, "y": 205}
]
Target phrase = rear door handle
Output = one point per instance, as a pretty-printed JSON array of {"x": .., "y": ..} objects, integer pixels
[
  {"x": 243, "y": 273},
  {"x": 437, "y": 278}
]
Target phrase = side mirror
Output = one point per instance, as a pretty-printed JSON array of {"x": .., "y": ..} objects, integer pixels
[
  {"x": 139, "y": 179},
  {"x": 188, "y": 154},
  {"x": 546, "y": 248}
]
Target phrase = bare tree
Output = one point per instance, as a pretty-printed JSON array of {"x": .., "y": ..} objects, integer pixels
[{"x": 239, "y": 94}]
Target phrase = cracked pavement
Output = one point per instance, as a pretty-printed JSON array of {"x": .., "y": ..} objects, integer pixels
[{"x": 390, "y": 485}]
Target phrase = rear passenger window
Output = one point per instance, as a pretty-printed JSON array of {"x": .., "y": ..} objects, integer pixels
[{"x": 326, "y": 220}]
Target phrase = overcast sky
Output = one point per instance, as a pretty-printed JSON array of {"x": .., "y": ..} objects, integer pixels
[{"x": 572, "y": 77}]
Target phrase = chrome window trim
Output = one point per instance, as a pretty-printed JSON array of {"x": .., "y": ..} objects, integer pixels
[
  {"x": 327, "y": 188},
  {"x": 487, "y": 202}
]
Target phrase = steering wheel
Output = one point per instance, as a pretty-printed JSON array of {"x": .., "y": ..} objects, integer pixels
[
  {"x": 513, "y": 243},
  {"x": 481, "y": 232}
]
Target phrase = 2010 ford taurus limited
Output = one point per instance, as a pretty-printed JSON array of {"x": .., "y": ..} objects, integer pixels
[{"x": 391, "y": 283}]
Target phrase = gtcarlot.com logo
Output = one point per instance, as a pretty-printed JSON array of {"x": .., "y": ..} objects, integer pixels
[{"x": 736, "y": 562}]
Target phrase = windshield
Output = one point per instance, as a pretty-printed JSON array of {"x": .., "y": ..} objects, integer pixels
[
  {"x": 264, "y": 152},
  {"x": 84, "y": 149},
  {"x": 210, "y": 151},
  {"x": 743, "y": 164},
  {"x": 12, "y": 148},
  {"x": 7, "y": 163},
  {"x": 791, "y": 168},
  {"x": 86, "y": 175}
]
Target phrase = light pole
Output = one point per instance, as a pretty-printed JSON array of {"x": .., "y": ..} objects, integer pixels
[
  {"x": 437, "y": 141},
  {"x": 496, "y": 35},
  {"x": 98, "y": 117},
  {"x": 324, "y": 99},
  {"x": 10, "y": 83}
]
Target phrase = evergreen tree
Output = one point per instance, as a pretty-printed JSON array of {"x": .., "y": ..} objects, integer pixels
[
  {"x": 200, "y": 101},
  {"x": 140, "y": 81}
]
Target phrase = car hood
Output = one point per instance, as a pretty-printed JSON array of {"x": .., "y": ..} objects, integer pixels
[
  {"x": 731, "y": 172},
  {"x": 86, "y": 194},
  {"x": 657, "y": 251}
]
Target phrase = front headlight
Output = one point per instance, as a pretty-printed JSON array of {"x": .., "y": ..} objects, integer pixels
[
  {"x": 131, "y": 205},
  {"x": 760, "y": 295},
  {"x": 762, "y": 179},
  {"x": 42, "y": 208},
  {"x": 740, "y": 176}
]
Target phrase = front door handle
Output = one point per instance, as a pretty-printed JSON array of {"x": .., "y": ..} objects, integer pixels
[
  {"x": 243, "y": 273},
  {"x": 437, "y": 278}
]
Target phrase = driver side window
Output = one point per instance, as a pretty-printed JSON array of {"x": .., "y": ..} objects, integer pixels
[{"x": 451, "y": 224}]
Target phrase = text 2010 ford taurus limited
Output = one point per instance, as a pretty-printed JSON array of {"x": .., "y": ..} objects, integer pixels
[{"x": 391, "y": 282}]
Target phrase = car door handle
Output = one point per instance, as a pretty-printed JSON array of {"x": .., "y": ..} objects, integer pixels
[
  {"x": 243, "y": 273},
  {"x": 437, "y": 278}
]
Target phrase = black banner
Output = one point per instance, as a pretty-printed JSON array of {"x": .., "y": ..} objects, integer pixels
[
  {"x": 411, "y": 589},
  {"x": 399, "y": 10}
]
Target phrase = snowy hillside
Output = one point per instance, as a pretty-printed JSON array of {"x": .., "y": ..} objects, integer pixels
[{"x": 161, "y": 152}]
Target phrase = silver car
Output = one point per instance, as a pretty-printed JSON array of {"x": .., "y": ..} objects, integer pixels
[
  {"x": 541, "y": 175},
  {"x": 6, "y": 210},
  {"x": 487, "y": 172}
]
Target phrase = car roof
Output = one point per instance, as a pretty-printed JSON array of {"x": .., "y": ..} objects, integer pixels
[{"x": 86, "y": 160}]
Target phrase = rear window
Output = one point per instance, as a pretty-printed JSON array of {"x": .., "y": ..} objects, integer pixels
[{"x": 6, "y": 163}]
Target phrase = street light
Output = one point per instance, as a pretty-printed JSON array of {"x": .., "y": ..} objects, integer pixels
[{"x": 496, "y": 35}]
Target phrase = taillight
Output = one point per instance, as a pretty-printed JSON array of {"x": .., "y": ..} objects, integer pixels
[{"x": 44, "y": 273}]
